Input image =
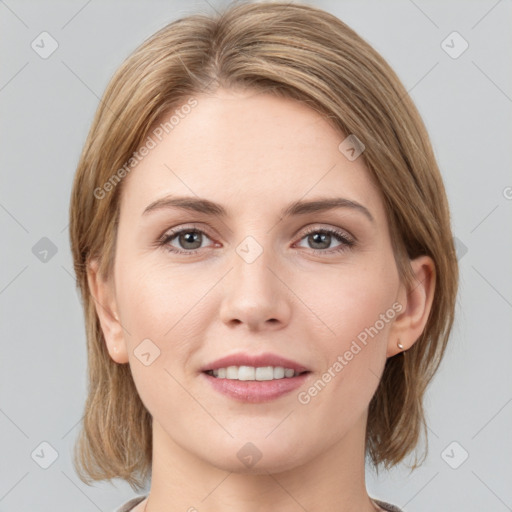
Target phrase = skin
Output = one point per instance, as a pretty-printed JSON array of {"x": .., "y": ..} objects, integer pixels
[{"x": 255, "y": 154}]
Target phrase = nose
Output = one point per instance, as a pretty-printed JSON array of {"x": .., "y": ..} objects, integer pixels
[{"x": 255, "y": 294}]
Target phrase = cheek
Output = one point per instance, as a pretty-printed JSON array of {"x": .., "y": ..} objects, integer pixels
[
  {"x": 153, "y": 308},
  {"x": 353, "y": 299},
  {"x": 359, "y": 313},
  {"x": 149, "y": 308},
  {"x": 156, "y": 300}
]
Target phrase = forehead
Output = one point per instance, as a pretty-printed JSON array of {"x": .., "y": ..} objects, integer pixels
[{"x": 247, "y": 150}]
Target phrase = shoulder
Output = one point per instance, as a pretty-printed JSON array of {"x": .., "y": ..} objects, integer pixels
[
  {"x": 130, "y": 504},
  {"x": 387, "y": 506}
]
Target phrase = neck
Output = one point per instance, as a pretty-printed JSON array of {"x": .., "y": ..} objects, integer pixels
[{"x": 332, "y": 480}]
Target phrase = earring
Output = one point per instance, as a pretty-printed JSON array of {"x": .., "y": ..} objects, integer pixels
[{"x": 400, "y": 346}]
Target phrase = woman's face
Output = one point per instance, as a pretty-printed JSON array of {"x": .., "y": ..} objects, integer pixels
[{"x": 316, "y": 286}]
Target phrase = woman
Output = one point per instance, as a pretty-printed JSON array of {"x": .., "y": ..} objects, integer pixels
[{"x": 262, "y": 241}]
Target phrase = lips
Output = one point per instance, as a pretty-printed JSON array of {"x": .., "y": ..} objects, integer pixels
[{"x": 256, "y": 360}]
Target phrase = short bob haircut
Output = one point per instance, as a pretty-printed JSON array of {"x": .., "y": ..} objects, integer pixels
[{"x": 291, "y": 51}]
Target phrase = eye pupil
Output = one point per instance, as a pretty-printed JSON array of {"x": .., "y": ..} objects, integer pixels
[
  {"x": 321, "y": 238},
  {"x": 190, "y": 237}
]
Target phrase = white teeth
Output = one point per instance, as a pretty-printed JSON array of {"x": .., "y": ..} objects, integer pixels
[
  {"x": 246, "y": 373},
  {"x": 232, "y": 372},
  {"x": 253, "y": 373},
  {"x": 279, "y": 372},
  {"x": 265, "y": 373}
]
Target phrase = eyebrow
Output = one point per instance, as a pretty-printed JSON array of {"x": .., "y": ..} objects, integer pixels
[{"x": 200, "y": 205}]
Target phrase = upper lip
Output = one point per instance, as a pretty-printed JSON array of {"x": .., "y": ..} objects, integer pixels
[{"x": 256, "y": 360}]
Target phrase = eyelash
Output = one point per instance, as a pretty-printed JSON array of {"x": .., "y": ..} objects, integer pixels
[{"x": 347, "y": 243}]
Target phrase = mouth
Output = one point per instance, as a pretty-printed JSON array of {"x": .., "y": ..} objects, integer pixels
[
  {"x": 255, "y": 378},
  {"x": 258, "y": 367},
  {"x": 253, "y": 373}
]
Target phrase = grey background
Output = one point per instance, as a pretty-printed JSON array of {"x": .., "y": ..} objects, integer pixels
[{"x": 47, "y": 106}]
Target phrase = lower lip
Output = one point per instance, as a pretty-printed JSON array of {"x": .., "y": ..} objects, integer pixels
[{"x": 255, "y": 391}]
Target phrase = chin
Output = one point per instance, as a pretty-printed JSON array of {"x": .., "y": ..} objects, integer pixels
[
  {"x": 262, "y": 467},
  {"x": 258, "y": 457}
]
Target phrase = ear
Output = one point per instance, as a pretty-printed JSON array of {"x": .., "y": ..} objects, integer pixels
[
  {"x": 103, "y": 294},
  {"x": 416, "y": 301}
]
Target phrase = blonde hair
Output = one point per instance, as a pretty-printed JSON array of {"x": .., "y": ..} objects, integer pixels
[{"x": 292, "y": 51}]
